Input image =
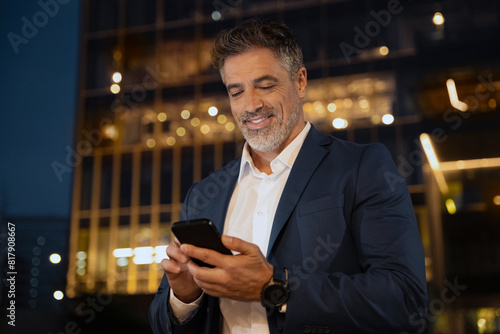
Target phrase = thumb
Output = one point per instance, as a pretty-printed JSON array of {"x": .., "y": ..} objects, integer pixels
[{"x": 238, "y": 245}]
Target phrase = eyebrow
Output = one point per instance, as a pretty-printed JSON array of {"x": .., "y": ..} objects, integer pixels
[{"x": 255, "y": 82}]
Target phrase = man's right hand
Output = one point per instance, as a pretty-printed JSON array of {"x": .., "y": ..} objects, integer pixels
[{"x": 180, "y": 280}]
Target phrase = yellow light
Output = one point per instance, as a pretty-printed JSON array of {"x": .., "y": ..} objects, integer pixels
[
  {"x": 110, "y": 131},
  {"x": 117, "y": 77},
  {"x": 387, "y": 119},
  {"x": 212, "y": 111},
  {"x": 340, "y": 123},
  {"x": 470, "y": 164},
  {"x": 123, "y": 252},
  {"x": 496, "y": 200},
  {"x": 307, "y": 107},
  {"x": 162, "y": 117},
  {"x": 195, "y": 122},
  {"x": 348, "y": 103},
  {"x": 452, "y": 93},
  {"x": 180, "y": 131},
  {"x": 383, "y": 50},
  {"x": 58, "y": 295},
  {"x": 117, "y": 55},
  {"x": 376, "y": 119},
  {"x": 81, "y": 264},
  {"x": 318, "y": 106},
  {"x": 492, "y": 103},
  {"x": 230, "y": 126},
  {"x": 150, "y": 143},
  {"x": 481, "y": 322},
  {"x": 55, "y": 258},
  {"x": 438, "y": 19},
  {"x": 81, "y": 271},
  {"x": 185, "y": 114},
  {"x": 205, "y": 129},
  {"x": 115, "y": 88},
  {"x": 363, "y": 103},
  {"x": 434, "y": 162},
  {"x": 171, "y": 141},
  {"x": 331, "y": 107},
  {"x": 450, "y": 206},
  {"x": 222, "y": 119},
  {"x": 81, "y": 255}
]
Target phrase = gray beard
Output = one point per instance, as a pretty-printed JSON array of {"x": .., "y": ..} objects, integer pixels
[{"x": 270, "y": 138}]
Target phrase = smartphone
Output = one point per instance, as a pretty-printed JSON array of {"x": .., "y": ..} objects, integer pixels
[{"x": 200, "y": 233}]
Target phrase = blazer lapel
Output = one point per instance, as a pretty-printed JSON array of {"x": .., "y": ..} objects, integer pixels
[
  {"x": 308, "y": 159},
  {"x": 226, "y": 182}
]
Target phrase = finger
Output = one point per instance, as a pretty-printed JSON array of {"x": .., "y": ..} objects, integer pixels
[
  {"x": 206, "y": 255},
  {"x": 177, "y": 242},
  {"x": 239, "y": 245},
  {"x": 170, "y": 267},
  {"x": 174, "y": 253}
]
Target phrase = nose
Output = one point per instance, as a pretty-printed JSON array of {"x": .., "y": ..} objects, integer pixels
[{"x": 253, "y": 100}]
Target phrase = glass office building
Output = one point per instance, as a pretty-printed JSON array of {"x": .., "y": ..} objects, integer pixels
[{"x": 154, "y": 117}]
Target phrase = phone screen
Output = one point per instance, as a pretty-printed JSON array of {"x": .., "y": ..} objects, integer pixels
[{"x": 200, "y": 233}]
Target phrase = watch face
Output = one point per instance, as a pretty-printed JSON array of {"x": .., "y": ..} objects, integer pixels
[{"x": 276, "y": 295}]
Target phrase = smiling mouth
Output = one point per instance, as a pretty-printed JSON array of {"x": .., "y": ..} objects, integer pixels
[{"x": 257, "y": 121}]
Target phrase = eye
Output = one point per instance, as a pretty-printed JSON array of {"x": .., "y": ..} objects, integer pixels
[{"x": 235, "y": 94}]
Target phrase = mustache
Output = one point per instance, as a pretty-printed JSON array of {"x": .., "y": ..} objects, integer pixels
[{"x": 257, "y": 114}]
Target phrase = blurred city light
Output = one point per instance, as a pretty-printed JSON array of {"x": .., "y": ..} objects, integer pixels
[
  {"x": 438, "y": 19},
  {"x": 115, "y": 88},
  {"x": 434, "y": 162},
  {"x": 452, "y": 92},
  {"x": 117, "y": 77},
  {"x": 55, "y": 258},
  {"x": 58, "y": 295},
  {"x": 340, "y": 123},
  {"x": 212, "y": 111},
  {"x": 162, "y": 117},
  {"x": 450, "y": 206},
  {"x": 387, "y": 119}
]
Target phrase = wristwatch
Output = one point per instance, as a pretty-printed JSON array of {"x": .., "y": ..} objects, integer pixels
[{"x": 275, "y": 293}]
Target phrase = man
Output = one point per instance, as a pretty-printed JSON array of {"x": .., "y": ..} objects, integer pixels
[{"x": 322, "y": 242}]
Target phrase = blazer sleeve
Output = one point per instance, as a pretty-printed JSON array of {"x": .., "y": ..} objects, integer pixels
[
  {"x": 161, "y": 318},
  {"x": 389, "y": 293}
]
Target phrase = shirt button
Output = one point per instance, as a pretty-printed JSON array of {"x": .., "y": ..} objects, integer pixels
[{"x": 260, "y": 213}]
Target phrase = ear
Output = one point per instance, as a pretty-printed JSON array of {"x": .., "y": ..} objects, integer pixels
[{"x": 301, "y": 82}]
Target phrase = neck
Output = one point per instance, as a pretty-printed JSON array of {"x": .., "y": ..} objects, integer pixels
[{"x": 262, "y": 160}]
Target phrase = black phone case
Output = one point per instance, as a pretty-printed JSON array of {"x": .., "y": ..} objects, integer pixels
[{"x": 200, "y": 233}]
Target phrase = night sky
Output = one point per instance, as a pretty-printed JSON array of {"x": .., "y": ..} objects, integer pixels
[{"x": 38, "y": 107}]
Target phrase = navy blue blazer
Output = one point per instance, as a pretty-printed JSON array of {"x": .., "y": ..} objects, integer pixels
[{"x": 346, "y": 232}]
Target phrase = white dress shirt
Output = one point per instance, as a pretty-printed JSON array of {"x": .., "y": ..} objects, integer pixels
[{"x": 250, "y": 217}]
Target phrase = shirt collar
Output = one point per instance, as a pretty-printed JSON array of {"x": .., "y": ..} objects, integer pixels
[{"x": 287, "y": 156}]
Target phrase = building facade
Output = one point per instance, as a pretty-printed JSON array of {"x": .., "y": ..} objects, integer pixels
[{"x": 154, "y": 116}]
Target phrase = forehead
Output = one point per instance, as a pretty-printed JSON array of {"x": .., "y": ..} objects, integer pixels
[{"x": 252, "y": 64}]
